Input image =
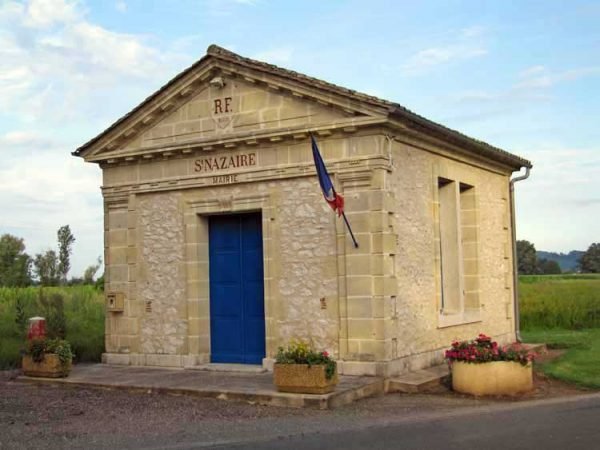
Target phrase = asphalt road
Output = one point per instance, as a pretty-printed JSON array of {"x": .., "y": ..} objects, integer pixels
[
  {"x": 571, "y": 424},
  {"x": 48, "y": 417}
]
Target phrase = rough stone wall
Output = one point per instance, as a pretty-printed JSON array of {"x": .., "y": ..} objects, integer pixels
[
  {"x": 307, "y": 257},
  {"x": 161, "y": 285},
  {"x": 418, "y": 327}
]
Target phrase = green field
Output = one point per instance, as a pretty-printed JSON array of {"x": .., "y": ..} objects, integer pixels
[
  {"x": 559, "y": 301},
  {"x": 83, "y": 308},
  {"x": 563, "y": 311}
]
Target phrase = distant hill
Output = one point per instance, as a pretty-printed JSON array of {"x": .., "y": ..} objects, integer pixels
[{"x": 566, "y": 261}]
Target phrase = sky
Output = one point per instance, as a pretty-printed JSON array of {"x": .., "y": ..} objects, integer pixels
[{"x": 523, "y": 76}]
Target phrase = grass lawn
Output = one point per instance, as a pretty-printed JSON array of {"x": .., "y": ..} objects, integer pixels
[
  {"x": 581, "y": 362},
  {"x": 563, "y": 311}
]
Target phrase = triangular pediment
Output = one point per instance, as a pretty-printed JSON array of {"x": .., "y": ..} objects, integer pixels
[
  {"x": 266, "y": 103},
  {"x": 236, "y": 109},
  {"x": 218, "y": 100}
]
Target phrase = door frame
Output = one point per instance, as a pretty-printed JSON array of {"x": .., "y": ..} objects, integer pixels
[
  {"x": 197, "y": 210},
  {"x": 238, "y": 218}
]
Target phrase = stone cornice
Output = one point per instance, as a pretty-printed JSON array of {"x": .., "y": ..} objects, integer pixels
[
  {"x": 344, "y": 168},
  {"x": 234, "y": 140}
]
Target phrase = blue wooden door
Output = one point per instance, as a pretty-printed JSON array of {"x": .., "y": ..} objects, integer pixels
[{"x": 237, "y": 312}]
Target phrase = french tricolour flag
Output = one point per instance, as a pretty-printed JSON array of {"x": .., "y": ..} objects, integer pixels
[{"x": 335, "y": 200}]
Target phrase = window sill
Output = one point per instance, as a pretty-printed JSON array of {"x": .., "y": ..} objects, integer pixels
[{"x": 461, "y": 318}]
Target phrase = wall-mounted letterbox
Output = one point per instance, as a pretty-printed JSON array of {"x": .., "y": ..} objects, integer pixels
[{"x": 115, "y": 301}]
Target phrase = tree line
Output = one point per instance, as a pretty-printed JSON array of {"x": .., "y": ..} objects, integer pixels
[
  {"x": 529, "y": 263},
  {"x": 49, "y": 268}
]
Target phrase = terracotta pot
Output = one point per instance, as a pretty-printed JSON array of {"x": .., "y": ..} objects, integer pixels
[
  {"x": 303, "y": 379},
  {"x": 492, "y": 378},
  {"x": 49, "y": 367}
]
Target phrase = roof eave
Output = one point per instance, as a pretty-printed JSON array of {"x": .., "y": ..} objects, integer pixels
[{"x": 480, "y": 147}]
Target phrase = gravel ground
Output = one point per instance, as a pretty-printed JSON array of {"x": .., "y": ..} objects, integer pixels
[{"x": 55, "y": 417}]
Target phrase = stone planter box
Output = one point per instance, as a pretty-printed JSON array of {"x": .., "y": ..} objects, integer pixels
[
  {"x": 49, "y": 367},
  {"x": 492, "y": 378},
  {"x": 303, "y": 379}
]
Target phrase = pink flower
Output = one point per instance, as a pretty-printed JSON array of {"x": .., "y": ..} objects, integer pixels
[{"x": 325, "y": 354}]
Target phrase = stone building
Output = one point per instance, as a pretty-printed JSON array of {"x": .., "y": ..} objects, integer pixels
[{"x": 219, "y": 246}]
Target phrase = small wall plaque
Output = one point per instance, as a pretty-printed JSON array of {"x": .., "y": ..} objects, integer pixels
[{"x": 115, "y": 301}]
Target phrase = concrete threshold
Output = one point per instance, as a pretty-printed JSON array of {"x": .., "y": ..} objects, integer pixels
[
  {"x": 418, "y": 380},
  {"x": 253, "y": 388},
  {"x": 241, "y": 368}
]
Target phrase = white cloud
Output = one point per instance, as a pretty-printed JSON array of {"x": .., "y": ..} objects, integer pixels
[
  {"x": 62, "y": 78},
  {"x": 54, "y": 63},
  {"x": 531, "y": 85},
  {"x": 19, "y": 139},
  {"x": 539, "y": 77},
  {"x": 532, "y": 71},
  {"x": 557, "y": 207},
  {"x": 43, "y": 187},
  {"x": 281, "y": 55},
  {"x": 121, "y": 6},
  {"x": 435, "y": 56},
  {"x": 464, "y": 44},
  {"x": 473, "y": 31},
  {"x": 224, "y": 8},
  {"x": 44, "y": 13}
]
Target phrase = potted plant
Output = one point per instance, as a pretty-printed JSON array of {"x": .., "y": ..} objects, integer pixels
[
  {"x": 49, "y": 358},
  {"x": 481, "y": 367},
  {"x": 300, "y": 369}
]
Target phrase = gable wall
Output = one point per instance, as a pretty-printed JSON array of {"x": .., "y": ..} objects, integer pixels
[
  {"x": 238, "y": 107},
  {"x": 417, "y": 332}
]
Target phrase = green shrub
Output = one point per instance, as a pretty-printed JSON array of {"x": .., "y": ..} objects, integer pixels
[
  {"x": 75, "y": 313},
  {"x": 10, "y": 353},
  {"x": 300, "y": 352}
]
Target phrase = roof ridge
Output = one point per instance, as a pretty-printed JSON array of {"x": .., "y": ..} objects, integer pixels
[{"x": 223, "y": 53}]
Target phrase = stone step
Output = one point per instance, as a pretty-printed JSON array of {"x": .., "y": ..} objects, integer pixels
[
  {"x": 253, "y": 388},
  {"x": 418, "y": 380},
  {"x": 216, "y": 367}
]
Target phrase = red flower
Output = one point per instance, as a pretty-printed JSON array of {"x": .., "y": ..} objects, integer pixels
[{"x": 325, "y": 354}]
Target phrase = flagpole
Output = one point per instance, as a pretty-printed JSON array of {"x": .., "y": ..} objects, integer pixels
[
  {"x": 346, "y": 221},
  {"x": 350, "y": 230}
]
